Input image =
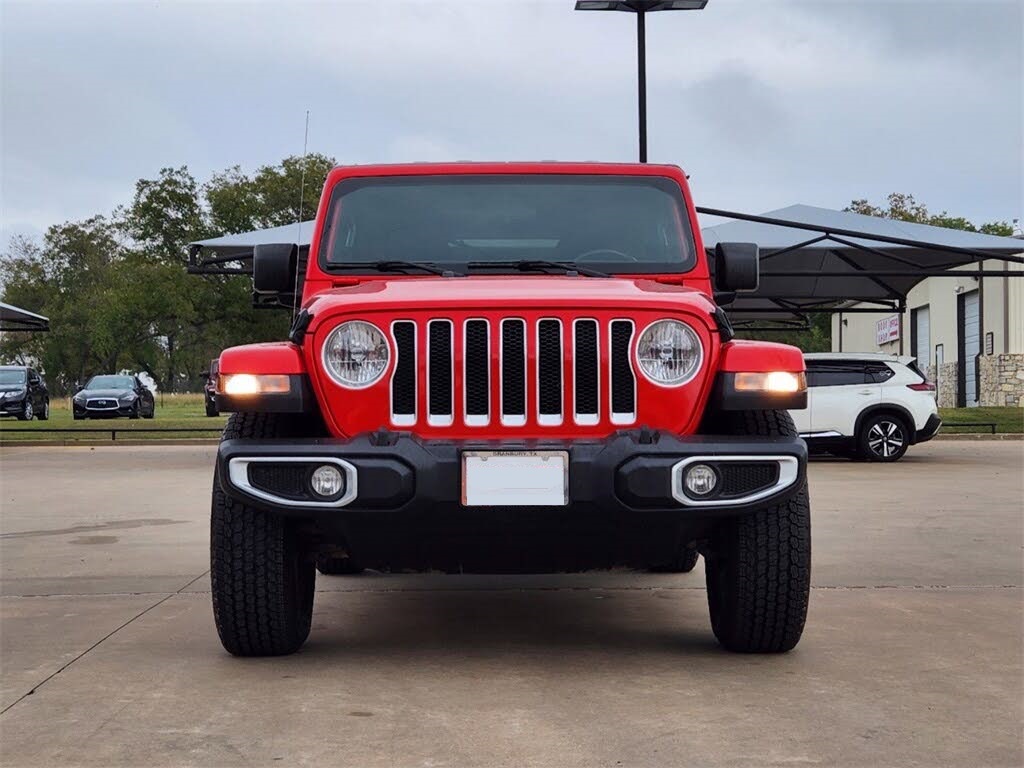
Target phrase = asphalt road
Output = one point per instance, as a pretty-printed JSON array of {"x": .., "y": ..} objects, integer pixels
[{"x": 912, "y": 654}]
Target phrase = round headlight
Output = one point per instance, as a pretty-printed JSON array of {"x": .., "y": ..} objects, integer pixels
[
  {"x": 669, "y": 353},
  {"x": 356, "y": 354}
]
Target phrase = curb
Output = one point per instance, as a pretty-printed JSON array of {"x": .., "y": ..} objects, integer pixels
[
  {"x": 7, "y": 444},
  {"x": 979, "y": 436}
]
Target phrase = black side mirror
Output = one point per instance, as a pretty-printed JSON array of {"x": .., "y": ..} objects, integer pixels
[
  {"x": 736, "y": 267},
  {"x": 273, "y": 267}
]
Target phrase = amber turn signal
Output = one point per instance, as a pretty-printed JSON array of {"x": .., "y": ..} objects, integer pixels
[
  {"x": 775, "y": 381},
  {"x": 241, "y": 384}
]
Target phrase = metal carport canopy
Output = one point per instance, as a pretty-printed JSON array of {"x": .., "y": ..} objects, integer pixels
[
  {"x": 16, "y": 319},
  {"x": 813, "y": 258}
]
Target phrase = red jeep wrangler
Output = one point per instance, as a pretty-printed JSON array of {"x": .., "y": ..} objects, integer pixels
[{"x": 509, "y": 367}]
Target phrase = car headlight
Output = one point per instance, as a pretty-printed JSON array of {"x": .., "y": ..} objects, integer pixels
[
  {"x": 130, "y": 397},
  {"x": 79, "y": 398},
  {"x": 356, "y": 354},
  {"x": 669, "y": 353}
]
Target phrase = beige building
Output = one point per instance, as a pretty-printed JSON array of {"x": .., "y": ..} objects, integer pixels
[{"x": 966, "y": 332}]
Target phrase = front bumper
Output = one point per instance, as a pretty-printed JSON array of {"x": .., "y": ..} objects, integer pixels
[
  {"x": 631, "y": 473},
  {"x": 84, "y": 411},
  {"x": 12, "y": 407}
]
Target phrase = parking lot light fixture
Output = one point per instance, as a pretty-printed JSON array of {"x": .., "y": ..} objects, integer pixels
[{"x": 641, "y": 8}]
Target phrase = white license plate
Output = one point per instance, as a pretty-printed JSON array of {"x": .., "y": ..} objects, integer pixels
[{"x": 515, "y": 478}]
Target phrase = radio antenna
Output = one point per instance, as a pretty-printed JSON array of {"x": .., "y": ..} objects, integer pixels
[{"x": 298, "y": 220}]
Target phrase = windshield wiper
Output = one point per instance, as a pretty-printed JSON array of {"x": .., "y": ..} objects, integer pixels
[
  {"x": 538, "y": 265},
  {"x": 395, "y": 266}
]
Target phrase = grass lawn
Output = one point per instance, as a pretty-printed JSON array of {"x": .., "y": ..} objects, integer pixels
[
  {"x": 185, "y": 411},
  {"x": 1007, "y": 418}
]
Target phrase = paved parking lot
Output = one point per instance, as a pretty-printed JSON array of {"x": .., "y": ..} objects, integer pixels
[{"x": 912, "y": 654}]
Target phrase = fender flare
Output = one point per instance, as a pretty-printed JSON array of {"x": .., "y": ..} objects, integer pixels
[{"x": 899, "y": 410}]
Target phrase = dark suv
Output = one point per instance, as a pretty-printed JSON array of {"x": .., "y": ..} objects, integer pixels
[{"x": 23, "y": 393}]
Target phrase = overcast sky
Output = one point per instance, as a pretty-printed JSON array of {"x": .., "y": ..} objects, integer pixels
[{"x": 765, "y": 104}]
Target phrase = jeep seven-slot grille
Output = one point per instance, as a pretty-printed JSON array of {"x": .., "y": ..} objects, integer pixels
[{"x": 496, "y": 353}]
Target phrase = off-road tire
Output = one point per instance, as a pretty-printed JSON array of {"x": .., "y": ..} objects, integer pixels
[
  {"x": 759, "y": 569},
  {"x": 337, "y": 566},
  {"x": 685, "y": 562},
  {"x": 262, "y": 578}
]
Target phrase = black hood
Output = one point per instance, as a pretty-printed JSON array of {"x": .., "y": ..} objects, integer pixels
[{"x": 110, "y": 394}]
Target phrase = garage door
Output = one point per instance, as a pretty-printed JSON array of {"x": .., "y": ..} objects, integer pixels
[
  {"x": 971, "y": 345},
  {"x": 922, "y": 338}
]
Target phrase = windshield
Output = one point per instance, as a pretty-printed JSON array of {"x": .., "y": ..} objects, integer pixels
[
  {"x": 111, "y": 382},
  {"x": 627, "y": 224},
  {"x": 12, "y": 376}
]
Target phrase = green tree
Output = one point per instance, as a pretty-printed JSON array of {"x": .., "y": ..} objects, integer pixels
[{"x": 905, "y": 207}]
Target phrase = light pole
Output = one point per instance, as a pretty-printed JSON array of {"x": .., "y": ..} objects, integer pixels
[{"x": 641, "y": 8}]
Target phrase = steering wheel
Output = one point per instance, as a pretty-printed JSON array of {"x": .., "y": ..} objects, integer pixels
[{"x": 619, "y": 255}]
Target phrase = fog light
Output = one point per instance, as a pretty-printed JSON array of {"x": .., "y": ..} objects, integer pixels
[
  {"x": 327, "y": 481},
  {"x": 701, "y": 479}
]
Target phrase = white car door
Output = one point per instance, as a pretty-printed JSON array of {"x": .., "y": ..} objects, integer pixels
[{"x": 839, "y": 391}]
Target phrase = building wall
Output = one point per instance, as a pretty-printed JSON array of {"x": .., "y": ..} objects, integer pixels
[{"x": 1002, "y": 378}]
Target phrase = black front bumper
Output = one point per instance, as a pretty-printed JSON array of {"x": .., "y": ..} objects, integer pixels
[
  {"x": 408, "y": 514},
  {"x": 12, "y": 407},
  {"x": 82, "y": 411},
  {"x": 631, "y": 472}
]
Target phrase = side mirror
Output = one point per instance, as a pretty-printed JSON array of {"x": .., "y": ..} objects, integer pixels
[
  {"x": 273, "y": 267},
  {"x": 736, "y": 267}
]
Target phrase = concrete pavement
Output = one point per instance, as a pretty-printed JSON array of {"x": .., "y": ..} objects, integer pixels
[{"x": 912, "y": 654}]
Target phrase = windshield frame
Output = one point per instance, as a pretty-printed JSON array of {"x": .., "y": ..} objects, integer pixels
[
  {"x": 90, "y": 385},
  {"x": 687, "y": 242}
]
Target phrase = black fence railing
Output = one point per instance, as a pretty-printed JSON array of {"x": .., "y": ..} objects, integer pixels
[{"x": 112, "y": 431}]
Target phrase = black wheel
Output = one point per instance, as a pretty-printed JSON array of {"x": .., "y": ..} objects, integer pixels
[
  {"x": 151, "y": 414},
  {"x": 758, "y": 565},
  {"x": 27, "y": 412},
  {"x": 883, "y": 437},
  {"x": 77, "y": 416},
  {"x": 134, "y": 413},
  {"x": 685, "y": 562},
  {"x": 262, "y": 576},
  {"x": 44, "y": 414},
  {"x": 211, "y": 408},
  {"x": 337, "y": 566}
]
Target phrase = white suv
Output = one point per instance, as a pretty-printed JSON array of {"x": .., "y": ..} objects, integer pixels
[{"x": 870, "y": 406}]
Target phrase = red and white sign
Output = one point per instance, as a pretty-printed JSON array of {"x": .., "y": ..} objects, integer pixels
[{"x": 887, "y": 329}]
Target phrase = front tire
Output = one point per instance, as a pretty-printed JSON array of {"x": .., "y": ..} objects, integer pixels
[
  {"x": 26, "y": 411},
  {"x": 758, "y": 565},
  {"x": 262, "y": 576},
  {"x": 44, "y": 415},
  {"x": 883, "y": 437}
]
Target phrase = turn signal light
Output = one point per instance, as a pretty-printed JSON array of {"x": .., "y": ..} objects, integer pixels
[
  {"x": 781, "y": 382},
  {"x": 241, "y": 384}
]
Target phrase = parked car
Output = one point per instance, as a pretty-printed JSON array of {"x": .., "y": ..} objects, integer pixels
[
  {"x": 210, "y": 389},
  {"x": 509, "y": 367},
  {"x": 869, "y": 406},
  {"x": 111, "y": 395},
  {"x": 23, "y": 393}
]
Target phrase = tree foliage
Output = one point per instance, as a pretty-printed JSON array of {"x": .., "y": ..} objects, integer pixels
[{"x": 116, "y": 290}]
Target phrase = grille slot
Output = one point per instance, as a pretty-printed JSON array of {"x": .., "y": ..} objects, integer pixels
[
  {"x": 513, "y": 372},
  {"x": 440, "y": 409},
  {"x": 549, "y": 372},
  {"x": 477, "y": 373},
  {"x": 586, "y": 373},
  {"x": 403, "y": 381},
  {"x": 623, "y": 381}
]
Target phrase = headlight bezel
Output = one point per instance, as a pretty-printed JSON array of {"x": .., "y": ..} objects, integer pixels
[
  {"x": 691, "y": 372},
  {"x": 335, "y": 376}
]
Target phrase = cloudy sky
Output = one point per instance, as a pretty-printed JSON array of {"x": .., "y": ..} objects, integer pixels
[{"x": 765, "y": 104}]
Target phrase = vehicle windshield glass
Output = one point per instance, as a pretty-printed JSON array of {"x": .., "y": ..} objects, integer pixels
[
  {"x": 625, "y": 224},
  {"x": 12, "y": 376},
  {"x": 111, "y": 382}
]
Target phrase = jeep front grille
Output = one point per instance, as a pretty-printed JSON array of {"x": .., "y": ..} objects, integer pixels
[{"x": 486, "y": 362}]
